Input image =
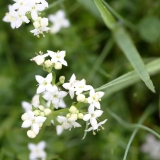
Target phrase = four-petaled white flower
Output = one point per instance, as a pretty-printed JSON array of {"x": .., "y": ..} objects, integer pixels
[
  {"x": 81, "y": 86},
  {"x": 37, "y": 151},
  {"x": 98, "y": 125},
  {"x": 92, "y": 115},
  {"x": 95, "y": 97},
  {"x": 58, "y": 57},
  {"x": 55, "y": 96},
  {"x": 34, "y": 122},
  {"x": 71, "y": 86},
  {"x": 67, "y": 123},
  {"x": 44, "y": 83},
  {"x": 59, "y": 21}
]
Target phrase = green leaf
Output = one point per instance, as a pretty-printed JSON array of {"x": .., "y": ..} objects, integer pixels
[
  {"x": 128, "y": 79},
  {"x": 106, "y": 15},
  {"x": 126, "y": 45}
]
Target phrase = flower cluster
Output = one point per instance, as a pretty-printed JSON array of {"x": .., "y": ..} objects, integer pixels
[
  {"x": 55, "y": 60},
  {"x": 51, "y": 94},
  {"x": 22, "y": 9},
  {"x": 58, "y": 21}
]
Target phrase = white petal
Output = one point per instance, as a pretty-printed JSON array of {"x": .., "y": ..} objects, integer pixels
[
  {"x": 40, "y": 119},
  {"x": 31, "y": 146},
  {"x": 71, "y": 93},
  {"x": 35, "y": 128},
  {"x": 26, "y": 123},
  {"x": 97, "y": 105},
  {"x": 39, "y": 79},
  {"x": 59, "y": 129},
  {"x": 66, "y": 85},
  {"x": 86, "y": 117},
  {"x": 61, "y": 119},
  {"x": 98, "y": 113},
  {"x": 41, "y": 145},
  {"x": 91, "y": 109},
  {"x": 40, "y": 89},
  {"x": 26, "y": 106},
  {"x": 94, "y": 123},
  {"x": 49, "y": 78},
  {"x": 73, "y": 78}
]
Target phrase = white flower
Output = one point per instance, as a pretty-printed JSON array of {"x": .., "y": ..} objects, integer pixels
[
  {"x": 81, "y": 86},
  {"x": 98, "y": 125},
  {"x": 26, "y": 106},
  {"x": 37, "y": 151},
  {"x": 33, "y": 122},
  {"x": 34, "y": 8},
  {"x": 92, "y": 116},
  {"x": 71, "y": 86},
  {"x": 59, "y": 21},
  {"x": 95, "y": 97},
  {"x": 67, "y": 123},
  {"x": 21, "y": 5},
  {"x": 55, "y": 96},
  {"x": 39, "y": 59},
  {"x": 152, "y": 147},
  {"x": 58, "y": 57},
  {"x": 40, "y": 26},
  {"x": 44, "y": 83}
]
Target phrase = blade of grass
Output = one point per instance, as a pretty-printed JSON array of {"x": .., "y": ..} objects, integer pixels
[
  {"x": 129, "y": 78},
  {"x": 125, "y": 43},
  {"x": 102, "y": 56}
]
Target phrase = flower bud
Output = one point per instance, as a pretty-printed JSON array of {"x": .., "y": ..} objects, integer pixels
[
  {"x": 73, "y": 116},
  {"x": 38, "y": 59},
  {"x": 68, "y": 115},
  {"x": 44, "y": 22},
  {"x": 36, "y": 24},
  {"x": 81, "y": 98},
  {"x": 41, "y": 107},
  {"x": 31, "y": 134},
  {"x": 24, "y": 116},
  {"x": 41, "y": 114},
  {"x": 72, "y": 109},
  {"x": 47, "y": 111},
  {"x": 62, "y": 79},
  {"x": 36, "y": 112},
  {"x": 80, "y": 115},
  {"x": 48, "y": 63},
  {"x": 58, "y": 65}
]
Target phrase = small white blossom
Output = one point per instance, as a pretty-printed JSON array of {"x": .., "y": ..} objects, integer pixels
[
  {"x": 55, "y": 96},
  {"x": 67, "y": 123},
  {"x": 71, "y": 86},
  {"x": 59, "y": 21},
  {"x": 37, "y": 151},
  {"x": 98, "y": 125},
  {"x": 92, "y": 115},
  {"x": 39, "y": 59},
  {"x": 58, "y": 57},
  {"x": 95, "y": 97},
  {"x": 33, "y": 122},
  {"x": 40, "y": 26},
  {"x": 44, "y": 83}
]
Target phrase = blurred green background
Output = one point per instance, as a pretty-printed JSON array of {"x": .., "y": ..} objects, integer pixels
[{"x": 85, "y": 41}]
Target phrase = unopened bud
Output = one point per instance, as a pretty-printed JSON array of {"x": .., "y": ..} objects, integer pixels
[
  {"x": 72, "y": 109},
  {"x": 47, "y": 111},
  {"x": 58, "y": 65},
  {"x": 41, "y": 107},
  {"x": 73, "y": 116},
  {"x": 41, "y": 114},
  {"x": 36, "y": 24},
  {"x": 48, "y": 63},
  {"x": 80, "y": 115},
  {"x": 62, "y": 79},
  {"x": 31, "y": 134},
  {"x": 81, "y": 98},
  {"x": 36, "y": 112},
  {"x": 68, "y": 115}
]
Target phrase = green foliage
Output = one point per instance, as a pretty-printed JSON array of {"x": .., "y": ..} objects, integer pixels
[{"x": 92, "y": 54}]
